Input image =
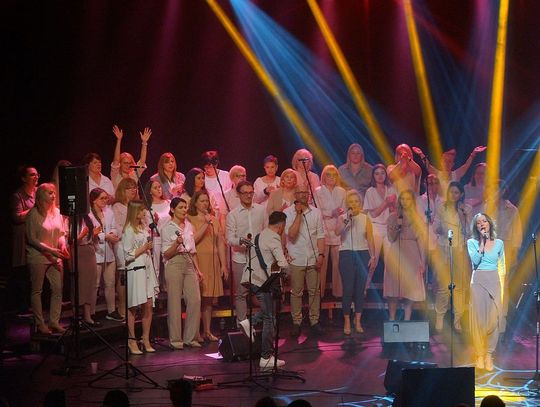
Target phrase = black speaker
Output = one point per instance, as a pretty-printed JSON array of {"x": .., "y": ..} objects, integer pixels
[
  {"x": 73, "y": 185},
  {"x": 234, "y": 346},
  {"x": 441, "y": 387},
  {"x": 392, "y": 378}
]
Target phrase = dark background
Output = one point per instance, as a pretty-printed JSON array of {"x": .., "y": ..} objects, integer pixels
[{"x": 71, "y": 69}]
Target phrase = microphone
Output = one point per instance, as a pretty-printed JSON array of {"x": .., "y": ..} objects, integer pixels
[
  {"x": 450, "y": 234},
  {"x": 137, "y": 166},
  {"x": 247, "y": 242},
  {"x": 177, "y": 233},
  {"x": 304, "y": 160}
]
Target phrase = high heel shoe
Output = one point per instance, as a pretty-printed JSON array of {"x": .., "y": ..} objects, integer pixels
[
  {"x": 148, "y": 347},
  {"x": 358, "y": 329},
  {"x": 134, "y": 348}
]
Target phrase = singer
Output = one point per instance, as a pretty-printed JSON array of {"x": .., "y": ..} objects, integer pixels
[
  {"x": 404, "y": 261},
  {"x": 123, "y": 163},
  {"x": 330, "y": 198},
  {"x": 302, "y": 161},
  {"x": 182, "y": 275},
  {"x": 142, "y": 285},
  {"x": 356, "y": 258},
  {"x": 244, "y": 221},
  {"x": 489, "y": 270},
  {"x": 453, "y": 215},
  {"x": 305, "y": 244}
]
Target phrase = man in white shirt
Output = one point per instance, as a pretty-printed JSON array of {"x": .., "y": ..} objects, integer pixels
[
  {"x": 273, "y": 258},
  {"x": 305, "y": 246},
  {"x": 243, "y": 222}
]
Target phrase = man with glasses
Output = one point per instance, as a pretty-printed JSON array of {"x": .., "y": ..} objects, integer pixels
[
  {"x": 243, "y": 222},
  {"x": 305, "y": 245}
]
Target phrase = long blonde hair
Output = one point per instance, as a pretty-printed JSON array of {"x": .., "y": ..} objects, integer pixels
[
  {"x": 133, "y": 209},
  {"x": 41, "y": 194}
]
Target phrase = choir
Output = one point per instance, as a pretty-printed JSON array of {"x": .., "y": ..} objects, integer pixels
[{"x": 350, "y": 219}]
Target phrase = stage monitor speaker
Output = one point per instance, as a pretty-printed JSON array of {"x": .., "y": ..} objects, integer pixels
[
  {"x": 406, "y": 331},
  {"x": 73, "y": 185},
  {"x": 441, "y": 387},
  {"x": 234, "y": 346},
  {"x": 392, "y": 377}
]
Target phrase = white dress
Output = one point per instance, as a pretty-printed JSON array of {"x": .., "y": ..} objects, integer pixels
[{"x": 141, "y": 278}]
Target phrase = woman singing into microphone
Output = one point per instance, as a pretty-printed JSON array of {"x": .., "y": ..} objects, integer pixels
[
  {"x": 182, "y": 276},
  {"x": 141, "y": 279},
  {"x": 487, "y": 257}
]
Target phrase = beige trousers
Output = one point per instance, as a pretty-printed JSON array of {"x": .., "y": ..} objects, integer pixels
[
  {"x": 310, "y": 275},
  {"x": 181, "y": 278},
  {"x": 54, "y": 274}
]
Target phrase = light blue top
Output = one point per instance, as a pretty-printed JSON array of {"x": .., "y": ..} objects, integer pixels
[{"x": 489, "y": 259}]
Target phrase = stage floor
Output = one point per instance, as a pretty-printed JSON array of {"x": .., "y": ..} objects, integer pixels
[{"x": 338, "y": 370}]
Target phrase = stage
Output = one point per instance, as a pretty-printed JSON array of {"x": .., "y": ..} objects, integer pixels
[{"x": 338, "y": 370}]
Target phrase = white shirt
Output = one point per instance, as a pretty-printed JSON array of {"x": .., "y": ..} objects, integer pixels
[
  {"x": 168, "y": 237},
  {"x": 232, "y": 199},
  {"x": 358, "y": 240},
  {"x": 104, "y": 249},
  {"x": 304, "y": 250},
  {"x": 130, "y": 242},
  {"x": 104, "y": 183},
  {"x": 373, "y": 200},
  {"x": 328, "y": 201},
  {"x": 271, "y": 251},
  {"x": 211, "y": 184},
  {"x": 259, "y": 185},
  {"x": 242, "y": 221}
]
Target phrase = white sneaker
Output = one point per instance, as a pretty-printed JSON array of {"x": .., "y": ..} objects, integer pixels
[
  {"x": 269, "y": 363},
  {"x": 244, "y": 326}
]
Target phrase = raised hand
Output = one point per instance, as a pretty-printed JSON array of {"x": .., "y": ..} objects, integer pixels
[
  {"x": 145, "y": 134},
  {"x": 479, "y": 149},
  {"x": 418, "y": 151},
  {"x": 118, "y": 132}
]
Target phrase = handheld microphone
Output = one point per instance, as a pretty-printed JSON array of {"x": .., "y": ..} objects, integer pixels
[
  {"x": 137, "y": 166},
  {"x": 177, "y": 233},
  {"x": 246, "y": 242},
  {"x": 304, "y": 160},
  {"x": 450, "y": 234}
]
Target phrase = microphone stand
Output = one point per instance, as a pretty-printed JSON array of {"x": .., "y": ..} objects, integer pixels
[
  {"x": 309, "y": 183},
  {"x": 231, "y": 276},
  {"x": 153, "y": 233},
  {"x": 451, "y": 287},
  {"x": 536, "y": 376}
]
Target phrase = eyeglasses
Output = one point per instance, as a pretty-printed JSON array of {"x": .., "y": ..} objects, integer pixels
[{"x": 247, "y": 193}]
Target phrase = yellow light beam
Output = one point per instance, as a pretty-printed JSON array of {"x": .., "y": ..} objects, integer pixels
[
  {"x": 426, "y": 102},
  {"x": 376, "y": 133},
  {"x": 529, "y": 194},
  {"x": 274, "y": 90},
  {"x": 497, "y": 95}
]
